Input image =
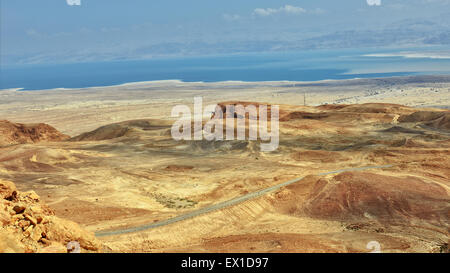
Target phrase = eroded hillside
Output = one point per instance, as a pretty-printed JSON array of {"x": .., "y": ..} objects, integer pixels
[{"x": 132, "y": 174}]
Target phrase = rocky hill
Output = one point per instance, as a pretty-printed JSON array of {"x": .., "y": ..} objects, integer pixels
[
  {"x": 28, "y": 225},
  {"x": 18, "y": 133}
]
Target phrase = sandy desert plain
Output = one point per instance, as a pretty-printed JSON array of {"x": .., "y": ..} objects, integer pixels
[{"x": 107, "y": 161}]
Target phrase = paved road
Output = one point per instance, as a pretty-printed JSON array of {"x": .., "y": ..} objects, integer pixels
[{"x": 222, "y": 205}]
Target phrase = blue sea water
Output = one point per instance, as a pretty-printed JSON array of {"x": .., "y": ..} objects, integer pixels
[{"x": 293, "y": 66}]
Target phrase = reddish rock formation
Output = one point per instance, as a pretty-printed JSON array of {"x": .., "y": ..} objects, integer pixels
[
  {"x": 359, "y": 195},
  {"x": 18, "y": 133}
]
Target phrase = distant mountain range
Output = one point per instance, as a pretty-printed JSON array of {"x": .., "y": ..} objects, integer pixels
[{"x": 406, "y": 33}]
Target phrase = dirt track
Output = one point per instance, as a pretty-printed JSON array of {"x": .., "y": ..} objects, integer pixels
[{"x": 222, "y": 205}]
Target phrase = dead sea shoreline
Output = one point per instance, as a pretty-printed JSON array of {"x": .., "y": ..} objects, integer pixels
[
  {"x": 439, "y": 77},
  {"x": 74, "y": 111}
]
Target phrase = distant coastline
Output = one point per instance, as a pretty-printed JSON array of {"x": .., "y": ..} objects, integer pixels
[
  {"x": 232, "y": 84},
  {"x": 412, "y": 55},
  {"x": 311, "y": 66}
]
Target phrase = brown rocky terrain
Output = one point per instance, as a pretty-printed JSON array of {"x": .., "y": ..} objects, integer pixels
[
  {"x": 432, "y": 119},
  {"x": 28, "y": 225},
  {"x": 368, "y": 199},
  {"x": 17, "y": 133},
  {"x": 130, "y": 173}
]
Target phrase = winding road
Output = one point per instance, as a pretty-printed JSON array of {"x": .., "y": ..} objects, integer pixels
[{"x": 222, "y": 205}]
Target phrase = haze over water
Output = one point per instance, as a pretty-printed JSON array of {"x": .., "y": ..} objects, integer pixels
[{"x": 310, "y": 65}]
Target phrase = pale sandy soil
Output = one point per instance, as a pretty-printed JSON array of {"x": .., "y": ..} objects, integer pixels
[
  {"x": 144, "y": 176},
  {"x": 79, "y": 110}
]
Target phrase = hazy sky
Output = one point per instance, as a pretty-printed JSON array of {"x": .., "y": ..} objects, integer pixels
[{"x": 40, "y": 31}]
